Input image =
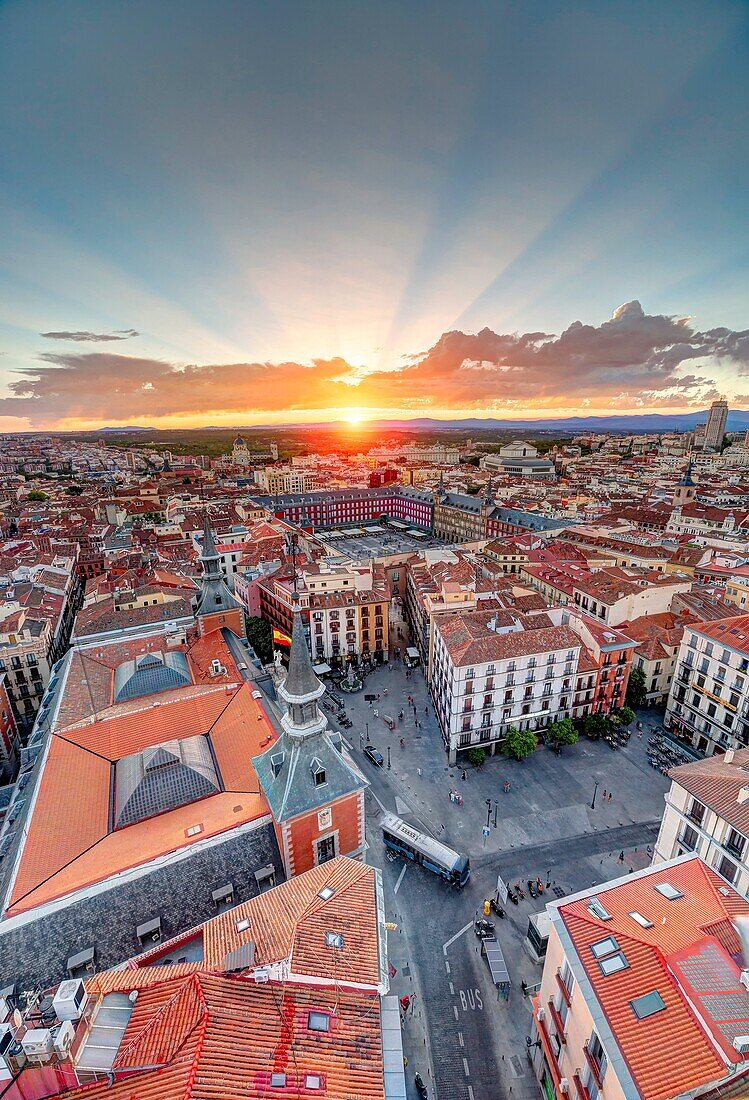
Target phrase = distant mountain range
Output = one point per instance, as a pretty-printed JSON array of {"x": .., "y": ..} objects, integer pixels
[{"x": 738, "y": 420}]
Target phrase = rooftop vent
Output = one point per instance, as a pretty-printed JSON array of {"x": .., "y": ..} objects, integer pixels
[
  {"x": 326, "y": 893},
  {"x": 743, "y": 796}
]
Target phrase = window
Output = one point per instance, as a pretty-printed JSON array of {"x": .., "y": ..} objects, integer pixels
[
  {"x": 278, "y": 1080},
  {"x": 318, "y": 1021},
  {"x": 647, "y": 1005},
  {"x": 596, "y": 908},
  {"x": 612, "y": 964},
  {"x": 642, "y": 921},
  {"x": 668, "y": 891},
  {"x": 604, "y": 947}
]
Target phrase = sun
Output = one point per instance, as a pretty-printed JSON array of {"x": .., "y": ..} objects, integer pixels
[{"x": 354, "y": 416}]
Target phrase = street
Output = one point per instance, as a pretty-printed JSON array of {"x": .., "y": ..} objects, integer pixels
[{"x": 466, "y": 1042}]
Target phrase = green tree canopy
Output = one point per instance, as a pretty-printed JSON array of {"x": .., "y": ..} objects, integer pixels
[
  {"x": 625, "y": 715},
  {"x": 260, "y": 637},
  {"x": 519, "y": 743},
  {"x": 562, "y": 733},
  {"x": 636, "y": 689},
  {"x": 476, "y": 756},
  {"x": 37, "y": 494},
  {"x": 595, "y": 726}
]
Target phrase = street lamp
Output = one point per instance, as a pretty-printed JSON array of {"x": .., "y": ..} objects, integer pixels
[
  {"x": 388, "y": 757},
  {"x": 367, "y": 725},
  {"x": 488, "y": 811},
  {"x": 595, "y": 792},
  {"x": 496, "y": 804}
]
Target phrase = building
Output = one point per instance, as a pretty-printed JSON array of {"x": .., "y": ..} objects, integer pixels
[
  {"x": 347, "y": 608},
  {"x": 278, "y": 480},
  {"x": 519, "y": 459},
  {"x": 643, "y": 993},
  {"x": 240, "y": 454},
  {"x": 616, "y": 596},
  {"x": 342, "y": 507},
  {"x": 280, "y": 995},
  {"x": 707, "y": 812},
  {"x": 492, "y": 670},
  {"x": 708, "y": 704},
  {"x": 315, "y": 791},
  {"x": 685, "y": 490},
  {"x": 715, "y": 428},
  {"x": 9, "y": 740}
]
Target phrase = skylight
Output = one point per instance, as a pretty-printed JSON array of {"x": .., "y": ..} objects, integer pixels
[
  {"x": 668, "y": 891},
  {"x": 604, "y": 947},
  {"x": 612, "y": 964},
  {"x": 326, "y": 893},
  {"x": 642, "y": 921},
  {"x": 598, "y": 910},
  {"x": 242, "y": 925},
  {"x": 647, "y": 1005},
  {"x": 318, "y": 1021},
  {"x": 334, "y": 939}
]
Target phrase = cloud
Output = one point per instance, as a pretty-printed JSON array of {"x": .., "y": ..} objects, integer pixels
[
  {"x": 632, "y": 360},
  {"x": 83, "y": 337}
]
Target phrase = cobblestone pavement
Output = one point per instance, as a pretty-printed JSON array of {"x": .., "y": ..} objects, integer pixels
[{"x": 464, "y": 1041}]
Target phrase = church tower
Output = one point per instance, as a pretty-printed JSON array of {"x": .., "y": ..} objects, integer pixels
[
  {"x": 316, "y": 793},
  {"x": 216, "y": 605},
  {"x": 686, "y": 490}
]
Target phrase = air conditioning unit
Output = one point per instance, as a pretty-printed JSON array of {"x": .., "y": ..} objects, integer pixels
[
  {"x": 70, "y": 999},
  {"x": 63, "y": 1040},
  {"x": 542, "y": 1013},
  {"x": 261, "y": 976},
  {"x": 564, "y": 1085},
  {"x": 37, "y": 1044},
  {"x": 741, "y": 1043}
]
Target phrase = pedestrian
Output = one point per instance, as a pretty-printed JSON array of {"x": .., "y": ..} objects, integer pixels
[
  {"x": 609, "y": 796},
  {"x": 604, "y": 793},
  {"x": 621, "y": 857},
  {"x": 464, "y": 776},
  {"x": 426, "y": 710}
]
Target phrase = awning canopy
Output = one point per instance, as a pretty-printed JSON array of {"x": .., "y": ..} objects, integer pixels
[{"x": 496, "y": 960}]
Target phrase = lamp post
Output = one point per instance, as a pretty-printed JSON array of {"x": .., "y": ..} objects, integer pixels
[
  {"x": 595, "y": 792},
  {"x": 488, "y": 811},
  {"x": 367, "y": 725},
  {"x": 496, "y": 804},
  {"x": 388, "y": 757}
]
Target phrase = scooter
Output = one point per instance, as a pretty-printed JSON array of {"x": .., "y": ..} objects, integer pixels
[
  {"x": 483, "y": 928},
  {"x": 496, "y": 908},
  {"x": 520, "y": 890},
  {"x": 539, "y": 886},
  {"x": 532, "y": 889},
  {"x": 512, "y": 896},
  {"x": 421, "y": 1087}
]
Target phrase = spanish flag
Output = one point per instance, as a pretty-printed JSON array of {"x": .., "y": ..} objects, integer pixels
[{"x": 279, "y": 638}]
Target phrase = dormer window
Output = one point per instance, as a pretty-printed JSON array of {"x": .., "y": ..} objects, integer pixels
[{"x": 318, "y": 771}]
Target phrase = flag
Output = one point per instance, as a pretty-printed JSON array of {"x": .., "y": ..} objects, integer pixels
[{"x": 279, "y": 638}]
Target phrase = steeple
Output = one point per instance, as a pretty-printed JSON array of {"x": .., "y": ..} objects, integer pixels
[
  {"x": 301, "y": 689},
  {"x": 215, "y": 594},
  {"x": 686, "y": 478}
]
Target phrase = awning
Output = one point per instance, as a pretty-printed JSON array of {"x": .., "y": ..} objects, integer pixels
[
  {"x": 320, "y": 670},
  {"x": 496, "y": 960}
]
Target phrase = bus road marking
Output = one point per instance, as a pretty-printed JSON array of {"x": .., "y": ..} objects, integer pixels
[
  {"x": 452, "y": 988},
  {"x": 470, "y": 1093},
  {"x": 457, "y": 936},
  {"x": 460, "y": 1039},
  {"x": 400, "y": 878},
  {"x": 466, "y": 1070},
  {"x": 447, "y": 966},
  {"x": 455, "y": 1010}
]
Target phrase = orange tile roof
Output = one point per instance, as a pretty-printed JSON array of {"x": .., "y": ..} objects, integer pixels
[
  {"x": 673, "y": 1045},
  {"x": 69, "y": 846},
  {"x": 220, "y": 1038},
  {"x": 291, "y": 921}
]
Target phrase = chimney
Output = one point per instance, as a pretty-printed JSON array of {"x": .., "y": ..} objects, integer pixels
[
  {"x": 728, "y": 756},
  {"x": 743, "y": 796}
]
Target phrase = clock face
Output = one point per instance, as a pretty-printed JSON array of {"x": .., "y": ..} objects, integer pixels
[{"x": 324, "y": 819}]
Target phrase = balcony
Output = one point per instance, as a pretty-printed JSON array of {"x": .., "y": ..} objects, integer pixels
[
  {"x": 563, "y": 988},
  {"x": 580, "y": 1088},
  {"x": 735, "y": 848},
  {"x": 558, "y": 1023},
  {"x": 593, "y": 1066}
]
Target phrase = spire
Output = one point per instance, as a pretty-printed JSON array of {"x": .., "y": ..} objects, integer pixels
[
  {"x": 215, "y": 594},
  {"x": 301, "y": 681},
  {"x": 687, "y": 476}
]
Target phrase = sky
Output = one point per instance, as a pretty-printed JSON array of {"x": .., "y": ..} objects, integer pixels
[{"x": 227, "y": 213}]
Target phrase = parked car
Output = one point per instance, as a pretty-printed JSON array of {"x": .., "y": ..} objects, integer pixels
[{"x": 372, "y": 754}]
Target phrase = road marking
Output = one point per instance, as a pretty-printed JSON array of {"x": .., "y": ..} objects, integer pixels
[
  {"x": 452, "y": 988},
  {"x": 470, "y": 1093},
  {"x": 400, "y": 878},
  {"x": 382, "y": 805},
  {"x": 447, "y": 966},
  {"x": 466, "y": 1070},
  {"x": 471, "y": 998},
  {"x": 457, "y": 936},
  {"x": 460, "y": 1039},
  {"x": 455, "y": 1010}
]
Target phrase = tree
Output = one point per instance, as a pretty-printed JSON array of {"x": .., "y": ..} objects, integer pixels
[
  {"x": 74, "y": 490},
  {"x": 562, "y": 733},
  {"x": 519, "y": 743},
  {"x": 637, "y": 692},
  {"x": 37, "y": 494},
  {"x": 595, "y": 726},
  {"x": 625, "y": 715},
  {"x": 260, "y": 637},
  {"x": 476, "y": 756}
]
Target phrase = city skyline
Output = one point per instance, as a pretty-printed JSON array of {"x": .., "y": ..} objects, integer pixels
[{"x": 272, "y": 216}]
